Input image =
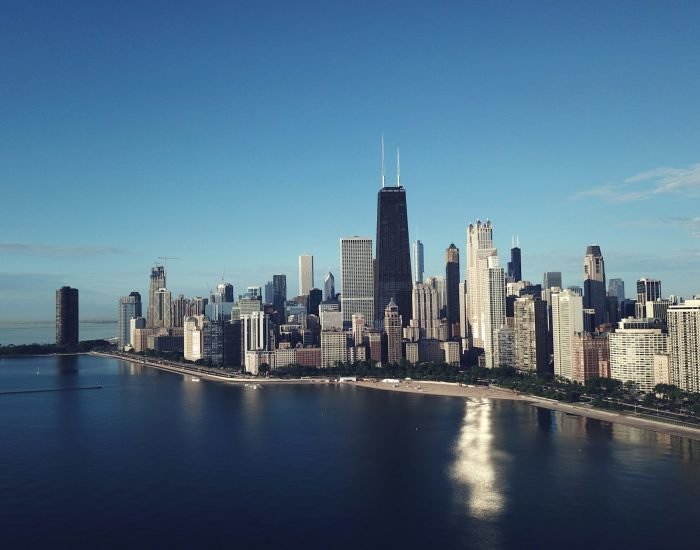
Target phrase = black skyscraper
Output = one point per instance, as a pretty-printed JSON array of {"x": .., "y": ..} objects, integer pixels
[
  {"x": 514, "y": 266},
  {"x": 66, "y": 316},
  {"x": 279, "y": 296},
  {"x": 393, "y": 263},
  {"x": 452, "y": 287}
]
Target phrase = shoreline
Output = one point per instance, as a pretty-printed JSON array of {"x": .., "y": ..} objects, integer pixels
[
  {"x": 449, "y": 389},
  {"x": 444, "y": 389}
]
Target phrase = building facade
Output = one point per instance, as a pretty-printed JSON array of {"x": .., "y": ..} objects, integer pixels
[
  {"x": 358, "y": 281},
  {"x": 632, "y": 349},
  {"x": 306, "y": 274},
  {"x": 129, "y": 308},
  {"x": 567, "y": 321},
  {"x": 67, "y": 317},
  {"x": 684, "y": 345},
  {"x": 594, "y": 292}
]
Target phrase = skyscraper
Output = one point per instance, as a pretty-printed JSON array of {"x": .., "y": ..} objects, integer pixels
[
  {"x": 306, "y": 274},
  {"x": 684, "y": 345},
  {"x": 161, "y": 310},
  {"x": 157, "y": 282},
  {"x": 329, "y": 286},
  {"x": 494, "y": 301},
  {"x": 418, "y": 262},
  {"x": 129, "y": 308},
  {"x": 358, "y": 280},
  {"x": 648, "y": 290},
  {"x": 425, "y": 311},
  {"x": 279, "y": 296},
  {"x": 551, "y": 279},
  {"x": 567, "y": 320},
  {"x": 269, "y": 292},
  {"x": 392, "y": 328},
  {"x": 616, "y": 287},
  {"x": 531, "y": 334},
  {"x": 393, "y": 263},
  {"x": 632, "y": 349},
  {"x": 515, "y": 266},
  {"x": 479, "y": 249},
  {"x": 452, "y": 288},
  {"x": 594, "y": 283},
  {"x": 67, "y": 320}
]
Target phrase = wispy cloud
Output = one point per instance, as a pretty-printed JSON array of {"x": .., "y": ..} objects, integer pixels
[
  {"x": 648, "y": 184},
  {"x": 63, "y": 251},
  {"x": 691, "y": 224}
]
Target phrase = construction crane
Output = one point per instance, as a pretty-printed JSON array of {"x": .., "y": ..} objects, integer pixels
[{"x": 165, "y": 264}]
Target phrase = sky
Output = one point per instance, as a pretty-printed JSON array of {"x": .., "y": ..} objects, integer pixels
[{"x": 235, "y": 136}]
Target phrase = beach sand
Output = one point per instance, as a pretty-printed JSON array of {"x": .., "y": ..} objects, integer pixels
[{"x": 455, "y": 390}]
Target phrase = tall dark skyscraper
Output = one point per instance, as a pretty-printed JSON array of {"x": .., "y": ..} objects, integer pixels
[
  {"x": 514, "y": 266},
  {"x": 452, "y": 288},
  {"x": 594, "y": 296},
  {"x": 279, "y": 296},
  {"x": 67, "y": 316},
  {"x": 393, "y": 262}
]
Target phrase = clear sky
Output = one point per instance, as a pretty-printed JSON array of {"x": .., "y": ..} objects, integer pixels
[{"x": 238, "y": 135}]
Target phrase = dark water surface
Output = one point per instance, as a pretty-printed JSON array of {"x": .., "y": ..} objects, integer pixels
[{"x": 156, "y": 460}]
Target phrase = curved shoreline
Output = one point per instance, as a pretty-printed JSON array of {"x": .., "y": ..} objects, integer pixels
[
  {"x": 455, "y": 390},
  {"x": 445, "y": 389}
]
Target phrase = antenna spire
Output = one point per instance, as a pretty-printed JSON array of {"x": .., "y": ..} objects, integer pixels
[
  {"x": 398, "y": 168},
  {"x": 383, "y": 178}
]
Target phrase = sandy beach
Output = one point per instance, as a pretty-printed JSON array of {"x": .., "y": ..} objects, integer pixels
[{"x": 455, "y": 390}]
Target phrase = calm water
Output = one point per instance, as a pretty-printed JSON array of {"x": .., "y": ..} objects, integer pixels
[
  {"x": 44, "y": 332},
  {"x": 155, "y": 459}
]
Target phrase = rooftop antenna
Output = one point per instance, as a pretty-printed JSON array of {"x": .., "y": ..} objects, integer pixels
[
  {"x": 398, "y": 168},
  {"x": 383, "y": 178},
  {"x": 512, "y": 242}
]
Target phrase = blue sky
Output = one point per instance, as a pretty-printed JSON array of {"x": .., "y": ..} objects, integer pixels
[{"x": 237, "y": 136}]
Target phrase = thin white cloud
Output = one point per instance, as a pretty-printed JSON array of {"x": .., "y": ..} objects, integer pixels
[
  {"x": 29, "y": 249},
  {"x": 648, "y": 184}
]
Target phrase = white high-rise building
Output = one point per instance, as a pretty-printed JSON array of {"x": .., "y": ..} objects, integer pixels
[
  {"x": 632, "y": 349},
  {"x": 358, "y": 278},
  {"x": 425, "y": 310},
  {"x": 193, "y": 333},
  {"x": 684, "y": 344},
  {"x": 567, "y": 320},
  {"x": 494, "y": 304},
  {"x": 479, "y": 249},
  {"x": 463, "y": 323},
  {"x": 306, "y": 274},
  {"x": 256, "y": 331},
  {"x": 418, "y": 263}
]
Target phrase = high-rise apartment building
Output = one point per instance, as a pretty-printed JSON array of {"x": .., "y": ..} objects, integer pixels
[
  {"x": 648, "y": 290},
  {"x": 269, "y": 292},
  {"x": 306, "y": 274},
  {"x": 160, "y": 309},
  {"x": 392, "y": 328},
  {"x": 594, "y": 283},
  {"x": 591, "y": 357},
  {"x": 684, "y": 344},
  {"x": 494, "y": 301},
  {"x": 157, "y": 281},
  {"x": 551, "y": 279},
  {"x": 425, "y": 311},
  {"x": 531, "y": 335},
  {"x": 418, "y": 262},
  {"x": 393, "y": 263},
  {"x": 632, "y": 349},
  {"x": 334, "y": 347},
  {"x": 358, "y": 280},
  {"x": 452, "y": 289},
  {"x": 129, "y": 308},
  {"x": 358, "y": 328},
  {"x": 329, "y": 286},
  {"x": 567, "y": 320},
  {"x": 479, "y": 249},
  {"x": 67, "y": 318}
]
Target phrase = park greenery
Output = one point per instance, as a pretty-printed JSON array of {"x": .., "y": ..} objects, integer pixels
[{"x": 50, "y": 349}]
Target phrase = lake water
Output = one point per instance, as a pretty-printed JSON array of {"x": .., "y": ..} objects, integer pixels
[
  {"x": 44, "y": 332},
  {"x": 157, "y": 460}
]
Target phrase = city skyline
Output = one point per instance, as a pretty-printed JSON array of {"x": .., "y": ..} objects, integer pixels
[{"x": 496, "y": 123}]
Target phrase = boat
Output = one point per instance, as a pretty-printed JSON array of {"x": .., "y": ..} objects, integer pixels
[{"x": 194, "y": 379}]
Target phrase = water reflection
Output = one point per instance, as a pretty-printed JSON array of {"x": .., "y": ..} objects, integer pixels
[{"x": 476, "y": 461}]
